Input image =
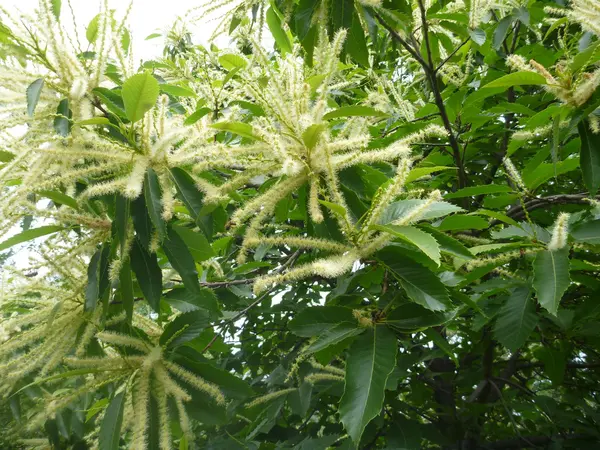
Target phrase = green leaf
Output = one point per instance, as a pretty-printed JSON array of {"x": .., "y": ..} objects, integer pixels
[
  {"x": 141, "y": 221},
  {"x": 181, "y": 259},
  {"x": 239, "y": 128},
  {"x": 281, "y": 37},
  {"x": 153, "y": 198},
  {"x": 184, "y": 328},
  {"x": 59, "y": 198},
  {"x": 93, "y": 121},
  {"x": 501, "y": 31},
  {"x": 413, "y": 317},
  {"x": 354, "y": 110},
  {"x": 196, "y": 116},
  {"x": 110, "y": 429},
  {"x": 441, "y": 342},
  {"x": 334, "y": 207},
  {"x": 589, "y": 159},
  {"x": 555, "y": 363},
  {"x": 448, "y": 244},
  {"x": 55, "y": 5},
  {"x": 121, "y": 221},
  {"x": 516, "y": 79},
  {"x": 472, "y": 191},
  {"x": 92, "y": 290},
  {"x": 231, "y": 61},
  {"x": 62, "y": 123},
  {"x": 196, "y": 243},
  {"x": 516, "y": 319},
  {"x": 371, "y": 359},
  {"x": 112, "y": 99},
  {"x": 34, "y": 90},
  {"x": 421, "y": 285},
  {"x": 588, "y": 232},
  {"x": 334, "y": 335},
  {"x": 426, "y": 243},
  {"x": 177, "y": 91},
  {"x": 139, "y": 93},
  {"x": 418, "y": 172},
  {"x": 463, "y": 222},
  {"x": 91, "y": 32},
  {"x": 186, "y": 301},
  {"x": 312, "y": 134},
  {"x": 356, "y": 44},
  {"x": 551, "y": 277},
  {"x": 400, "y": 209},
  {"x": 188, "y": 192},
  {"x": 477, "y": 36},
  {"x": 28, "y": 235},
  {"x": 148, "y": 273},
  {"x": 314, "y": 320},
  {"x": 126, "y": 289}
]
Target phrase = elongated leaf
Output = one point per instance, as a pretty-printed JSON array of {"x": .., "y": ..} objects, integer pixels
[
  {"x": 34, "y": 90},
  {"x": 181, "y": 259},
  {"x": 177, "y": 91},
  {"x": 588, "y": 232},
  {"x": 421, "y": 285},
  {"x": 139, "y": 93},
  {"x": 62, "y": 122},
  {"x": 92, "y": 290},
  {"x": 516, "y": 319},
  {"x": 354, "y": 110},
  {"x": 426, "y": 243},
  {"x": 196, "y": 243},
  {"x": 126, "y": 289},
  {"x": 555, "y": 363},
  {"x": 59, "y": 198},
  {"x": 334, "y": 335},
  {"x": 418, "y": 172},
  {"x": 479, "y": 190},
  {"x": 187, "y": 190},
  {"x": 153, "y": 198},
  {"x": 28, "y": 235},
  {"x": 398, "y": 210},
  {"x": 371, "y": 359},
  {"x": 517, "y": 79},
  {"x": 196, "y": 116},
  {"x": 184, "y": 328},
  {"x": 551, "y": 277},
  {"x": 239, "y": 128},
  {"x": 231, "y": 61},
  {"x": 448, "y": 244},
  {"x": 463, "y": 222},
  {"x": 589, "y": 159},
  {"x": 148, "y": 273},
  {"x": 411, "y": 316},
  {"x": 110, "y": 429},
  {"x": 141, "y": 221},
  {"x": 275, "y": 26},
  {"x": 312, "y": 135},
  {"x": 185, "y": 300},
  {"x": 313, "y": 321}
]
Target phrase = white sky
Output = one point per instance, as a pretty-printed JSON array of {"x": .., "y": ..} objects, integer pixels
[{"x": 146, "y": 17}]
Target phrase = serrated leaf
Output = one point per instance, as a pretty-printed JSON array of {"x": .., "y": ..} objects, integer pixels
[
  {"x": 463, "y": 222},
  {"x": 334, "y": 207},
  {"x": 589, "y": 159},
  {"x": 153, "y": 198},
  {"x": 92, "y": 290},
  {"x": 59, "y": 198},
  {"x": 33, "y": 92},
  {"x": 448, "y": 244},
  {"x": 177, "y": 91},
  {"x": 186, "y": 301},
  {"x": 551, "y": 277},
  {"x": 314, "y": 320},
  {"x": 418, "y": 172},
  {"x": 184, "y": 328},
  {"x": 110, "y": 429},
  {"x": 516, "y": 319},
  {"x": 312, "y": 134},
  {"x": 62, "y": 121},
  {"x": 126, "y": 289},
  {"x": 181, "y": 259},
  {"x": 281, "y": 37},
  {"x": 232, "y": 61},
  {"x": 421, "y": 285},
  {"x": 334, "y": 335},
  {"x": 502, "y": 30},
  {"x": 148, "y": 273},
  {"x": 426, "y": 243},
  {"x": 517, "y": 79},
  {"x": 56, "y": 5},
  {"x": 399, "y": 209},
  {"x": 91, "y": 32},
  {"x": 28, "y": 235},
  {"x": 196, "y": 116},
  {"x": 196, "y": 243},
  {"x": 354, "y": 110},
  {"x": 588, "y": 232},
  {"x": 139, "y": 93},
  {"x": 239, "y": 128},
  {"x": 371, "y": 359},
  {"x": 188, "y": 192},
  {"x": 555, "y": 363},
  {"x": 472, "y": 191},
  {"x": 413, "y": 317},
  {"x": 477, "y": 36}
]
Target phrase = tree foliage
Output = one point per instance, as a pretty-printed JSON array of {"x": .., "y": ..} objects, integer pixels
[{"x": 382, "y": 231}]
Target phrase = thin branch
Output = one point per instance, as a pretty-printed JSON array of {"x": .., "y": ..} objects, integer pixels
[{"x": 462, "y": 44}]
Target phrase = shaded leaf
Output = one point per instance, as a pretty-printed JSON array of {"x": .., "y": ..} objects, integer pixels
[
  {"x": 34, "y": 90},
  {"x": 181, "y": 259},
  {"x": 426, "y": 243},
  {"x": 589, "y": 157},
  {"x": 110, "y": 429},
  {"x": 551, "y": 277},
  {"x": 153, "y": 198},
  {"x": 516, "y": 319},
  {"x": 148, "y": 273},
  {"x": 314, "y": 320}
]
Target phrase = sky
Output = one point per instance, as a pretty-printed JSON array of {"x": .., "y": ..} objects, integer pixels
[{"x": 146, "y": 17}]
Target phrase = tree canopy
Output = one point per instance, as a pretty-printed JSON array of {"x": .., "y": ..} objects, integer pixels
[{"x": 363, "y": 224}]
